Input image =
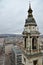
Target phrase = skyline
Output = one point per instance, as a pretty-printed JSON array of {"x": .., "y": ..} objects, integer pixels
[{"x": 14, "y": 12}]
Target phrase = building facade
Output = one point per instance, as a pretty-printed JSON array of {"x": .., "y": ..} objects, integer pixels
[
  {"x": 32, "y": 54},
  {"x": 41, "y": 40},
  {"x": 16, "y": 56}
]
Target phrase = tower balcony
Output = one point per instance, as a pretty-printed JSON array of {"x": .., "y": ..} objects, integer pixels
[
  {"x": 32, "y": 55},
  {"x": 32, "y": 52}
]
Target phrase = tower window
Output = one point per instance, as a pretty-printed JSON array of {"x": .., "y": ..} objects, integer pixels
[
  {"x": 24, "y": 60},
  {"x": 33, "y": 27},
  {"x": 25, "y": 42},
  {"x": 34, "y": 43},
  {"x": 35, "y": 62}
]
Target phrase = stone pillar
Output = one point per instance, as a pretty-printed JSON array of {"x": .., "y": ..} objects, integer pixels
[
  {"x": 31, "y": 44},
  {"x": 23, "y": 43},
  {"x": 38, "y": 44}
]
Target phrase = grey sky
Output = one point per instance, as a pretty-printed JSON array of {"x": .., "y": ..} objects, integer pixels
[{"x": 14, "y": 12}]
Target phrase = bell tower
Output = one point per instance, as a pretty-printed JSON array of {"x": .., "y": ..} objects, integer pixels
[{"x": 31, "y": 43}]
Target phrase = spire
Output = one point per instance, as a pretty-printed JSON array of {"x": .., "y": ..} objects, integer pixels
[
  {"x": 30, "y": 10},
  {"x": 30, "y": 20},
  {"x": 29, "y": 5}
]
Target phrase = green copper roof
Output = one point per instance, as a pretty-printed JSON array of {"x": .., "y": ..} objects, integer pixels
[{"x": 30, "y": 19}]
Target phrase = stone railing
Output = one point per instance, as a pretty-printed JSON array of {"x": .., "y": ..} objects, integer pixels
[{"x": 35, "y": 51}]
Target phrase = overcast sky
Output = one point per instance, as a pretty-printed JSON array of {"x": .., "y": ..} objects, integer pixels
[{"x": 14, "y": 12}]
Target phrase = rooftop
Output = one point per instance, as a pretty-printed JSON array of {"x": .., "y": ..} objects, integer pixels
[{"x": 17, "y": 50}]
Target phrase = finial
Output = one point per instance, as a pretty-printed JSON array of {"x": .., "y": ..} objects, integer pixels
[
  {"x": 30, "y": 10},
  {"x": 29, "y": 4}
]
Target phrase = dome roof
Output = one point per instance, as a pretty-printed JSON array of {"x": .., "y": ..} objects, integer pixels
[{"x": 30, "y": 20}]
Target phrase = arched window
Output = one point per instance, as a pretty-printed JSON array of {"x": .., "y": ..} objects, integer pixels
[
  {"x": 35, "y": 62},
  {"x": 25, "y": 42},
  {"x": 34, "y": 43}
]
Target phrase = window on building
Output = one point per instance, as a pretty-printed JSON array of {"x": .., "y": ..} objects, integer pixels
[
  {"x": 25, "y": 42},
  {"x": 34, "y": 43},
  {"x": 24, "y": 60},
  {"x": 33, "y": 27},
  {"x": 35, "y": 62}
]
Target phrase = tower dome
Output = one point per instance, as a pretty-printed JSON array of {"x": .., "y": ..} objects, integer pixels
[{"x": 30, "y": 19}]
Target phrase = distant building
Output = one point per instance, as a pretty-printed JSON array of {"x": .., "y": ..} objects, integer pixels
[
  {"x": 41, "y": 40},
  {"x": 2, "y": 49},
  {"x": 16, "y": 56},
  {"x": 2, "y": 53},
  {"x": 1, "y": 40},
  {"x": 8, "y": 48},
  {"x": 31, "y": 51},
  {"x": 2, "y": 59}
]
